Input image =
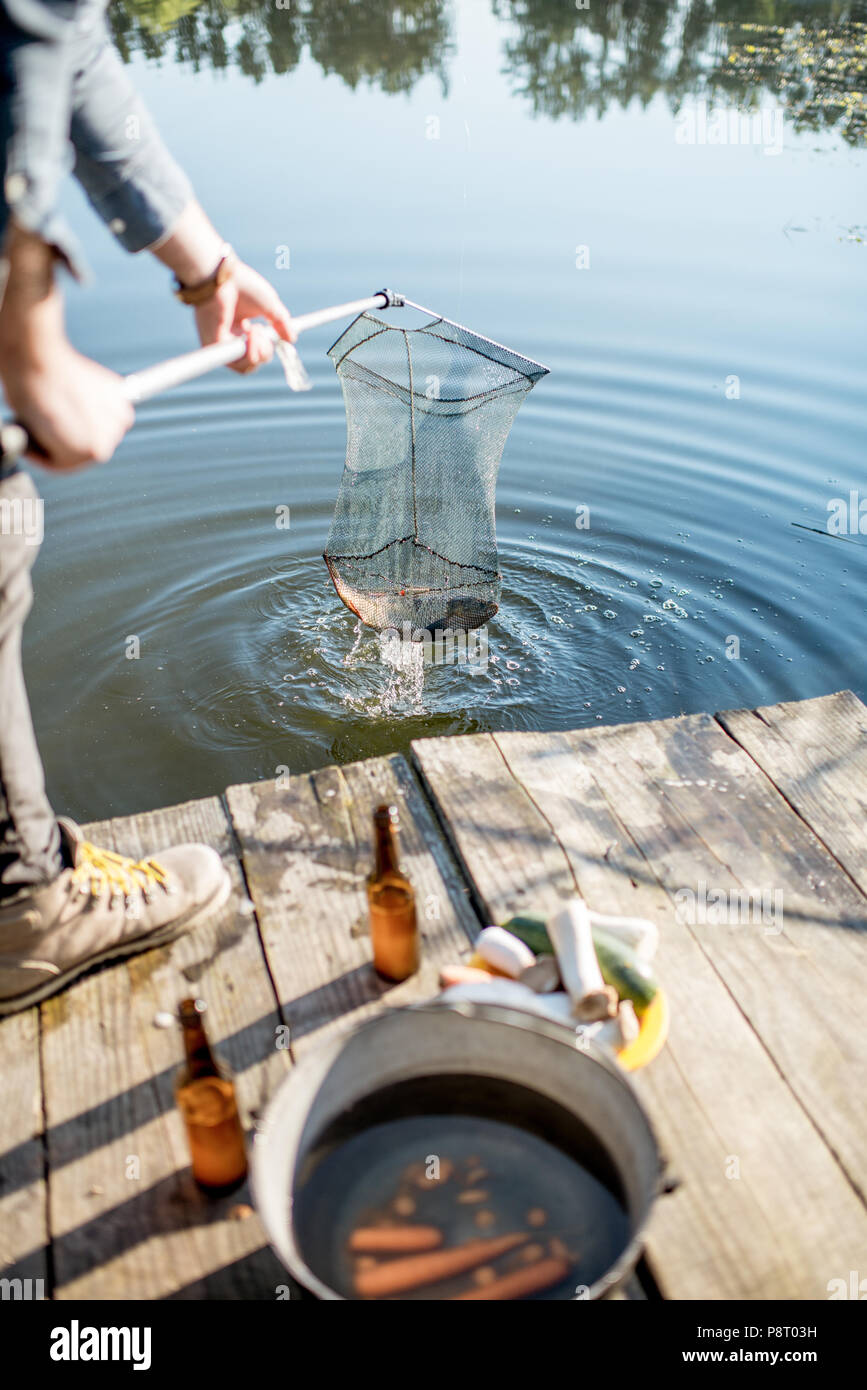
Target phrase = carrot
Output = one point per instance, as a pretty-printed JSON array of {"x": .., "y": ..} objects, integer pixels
[
  {"x": 394, "y": 1240},
  {"x": 397, "y": 1276},
  {"x": 530, "y": 1279},
  {"x": 464, "y": 975}
]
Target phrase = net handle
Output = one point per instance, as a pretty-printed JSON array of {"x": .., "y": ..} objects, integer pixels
[
  {"x": 151, "y": 381},
  {"x": 16, "y": 440}
]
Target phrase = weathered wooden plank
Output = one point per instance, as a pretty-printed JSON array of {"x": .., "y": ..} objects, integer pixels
[
  {"x": 815, "y": 752},
  {"x": 126, "y": 1219},
  {"x": 535, "y": 816},
  {"x": 23, "y": 1197},
  {"x": 307, "y": 849},
  {"x": 503, "y": 844}
]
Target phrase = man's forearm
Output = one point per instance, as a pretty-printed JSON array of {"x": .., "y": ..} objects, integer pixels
[
  {"x": 194, "y": 248},
  {"x": 31, "y": 313},
  {"x": 75, "y": 409}
]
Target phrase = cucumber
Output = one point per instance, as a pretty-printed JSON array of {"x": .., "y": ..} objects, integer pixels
[
  {"x": 616, "y": 961},
  {"x": 533, "y": 932},
  {"x": 621, "y": 970}
]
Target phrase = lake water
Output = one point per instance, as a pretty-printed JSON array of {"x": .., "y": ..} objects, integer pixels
[{"x": 521, "y": 168}]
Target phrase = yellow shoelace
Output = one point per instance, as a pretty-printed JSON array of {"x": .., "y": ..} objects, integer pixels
[{"x": 98, "y": 869}]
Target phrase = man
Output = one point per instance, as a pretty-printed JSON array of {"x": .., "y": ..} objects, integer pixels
[{"x": 65, "y": 99}]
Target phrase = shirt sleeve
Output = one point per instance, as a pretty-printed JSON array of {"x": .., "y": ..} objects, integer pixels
[
  {"x": 66, "y": 101},
  {"x": 37, "y": 41},
  {"x": 121, "y": 161}
]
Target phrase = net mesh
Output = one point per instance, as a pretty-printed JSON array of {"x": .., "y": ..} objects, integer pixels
[{"x": 428, "y": 410}]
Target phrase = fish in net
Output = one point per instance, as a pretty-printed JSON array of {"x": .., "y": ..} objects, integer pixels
[{"x": 413, "y": 542}]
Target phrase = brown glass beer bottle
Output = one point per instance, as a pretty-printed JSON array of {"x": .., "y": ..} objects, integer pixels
[
  {"x": 391, "y": 902},
  {"x": 205, "y": 1094}
]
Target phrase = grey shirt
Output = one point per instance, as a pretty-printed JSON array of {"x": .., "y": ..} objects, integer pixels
[{"x": 66, "y": 103}]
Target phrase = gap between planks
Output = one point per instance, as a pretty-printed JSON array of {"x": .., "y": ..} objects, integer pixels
[{"x": 307, "y": 851}]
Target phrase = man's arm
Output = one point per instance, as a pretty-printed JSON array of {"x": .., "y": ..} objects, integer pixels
[
  {"x": 37, "y": 39},
  {"x": 139, "y": 190},
  {"x": 74, "y": 408},
  {"x": 61, "y": 81}
]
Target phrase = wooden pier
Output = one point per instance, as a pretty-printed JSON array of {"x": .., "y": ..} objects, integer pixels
[{"x": 758, "y": 1098}]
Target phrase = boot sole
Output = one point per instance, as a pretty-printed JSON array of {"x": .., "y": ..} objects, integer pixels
[{"x": 161, "y": 936}]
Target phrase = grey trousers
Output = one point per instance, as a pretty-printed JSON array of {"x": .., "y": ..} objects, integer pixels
[{"x": 29, "y": 838}]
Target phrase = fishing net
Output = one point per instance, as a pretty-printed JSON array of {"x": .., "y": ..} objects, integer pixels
[{"x": 428, "y": 410}]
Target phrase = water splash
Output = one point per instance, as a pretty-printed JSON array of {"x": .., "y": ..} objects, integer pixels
[{"x": 404, "y": 664}]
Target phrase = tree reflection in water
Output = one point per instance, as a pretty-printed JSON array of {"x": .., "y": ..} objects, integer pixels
[{"x": 566, "y": 62}]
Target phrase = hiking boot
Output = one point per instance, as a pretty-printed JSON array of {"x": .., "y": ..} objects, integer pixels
[{"x": 101, "y": 907}]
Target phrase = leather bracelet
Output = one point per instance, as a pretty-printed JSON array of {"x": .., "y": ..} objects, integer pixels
[{"x": 206, "y": 289}]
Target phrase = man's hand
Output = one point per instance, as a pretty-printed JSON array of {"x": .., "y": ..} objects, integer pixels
[
  {"x": 75, "y": 409},
  {"x": 231, "y": 308},
  {"x": 193, "y": 252}
]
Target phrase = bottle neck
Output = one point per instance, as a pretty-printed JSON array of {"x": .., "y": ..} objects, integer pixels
[
  {"x": 385, "y": 849},
  {"x": 200, "y": 1058}
]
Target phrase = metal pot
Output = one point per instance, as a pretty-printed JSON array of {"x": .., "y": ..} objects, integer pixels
[{"x": 444, "y": 1038}]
